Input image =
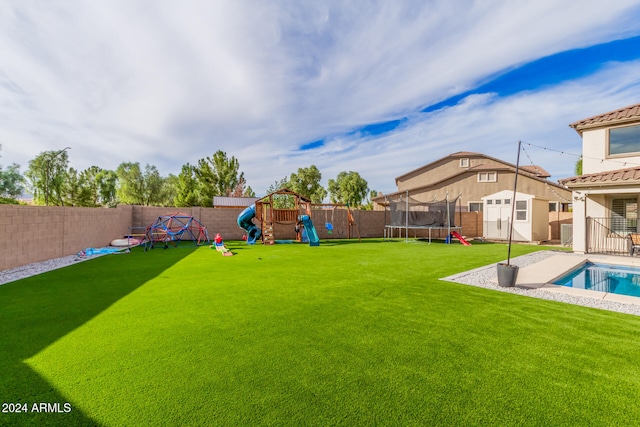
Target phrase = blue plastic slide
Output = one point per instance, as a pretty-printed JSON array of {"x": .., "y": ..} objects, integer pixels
[
  {"x": 244, "y": 222},
  {"x": 312, "y": 234}
]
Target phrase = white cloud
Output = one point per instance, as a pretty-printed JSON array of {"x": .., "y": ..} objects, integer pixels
[
  {"x": 492, "y": 125},
  {"x": 171, "y": 82}
]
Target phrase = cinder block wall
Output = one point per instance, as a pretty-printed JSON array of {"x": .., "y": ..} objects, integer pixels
[
  {"x": 224, "y": 221},
  {"x": 471, "y": 224},
  {"x": 369, "y": 223},
  {"x": 38, "y": 233}
]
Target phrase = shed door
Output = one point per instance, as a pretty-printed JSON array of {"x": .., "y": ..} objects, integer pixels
[{"x": 496, "y": 222}]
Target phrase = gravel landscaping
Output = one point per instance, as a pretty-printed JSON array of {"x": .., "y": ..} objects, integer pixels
[
  {"x": 35, "y": 268},
  {"x": 486, "y": 277}
]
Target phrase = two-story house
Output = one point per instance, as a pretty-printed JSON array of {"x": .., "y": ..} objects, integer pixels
[
  {"x": 479, "y": 183},
  {"x": 606, "y": 196}
]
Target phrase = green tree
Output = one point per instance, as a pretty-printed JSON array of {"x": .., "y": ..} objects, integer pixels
[
  {"x": 578, "y": 167},
  {"x": 152, "y": 186},
  {"x": 368, "y": 206},
  {"x": 130, "y": 189},
  {"x": 72, "y": 188},
  {"x": 107, "y": 183},
  {"x": 82, "y": 188},
  {"x": 187, "y": 188},
  {"x": 217, "y": 176},
  {"x": 348, "y": 187},
  {"x": 47, "y": 175},
  {"x": 137, "y": 187},
  {"x": 90, "y": 187},
  {"x": 11, "y": 182},
  {"x": 169, "y": 190},
  {"x": 307, "y": 183},
  {"x": 281, "y": 201}
]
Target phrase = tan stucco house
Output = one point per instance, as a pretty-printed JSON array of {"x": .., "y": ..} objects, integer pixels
[
  {"x": 606, "y": 196},
  {"x": 473, "y": 176},
  {"x": 483, "y": 188}
]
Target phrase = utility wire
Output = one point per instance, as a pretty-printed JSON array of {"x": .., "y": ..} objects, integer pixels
[{"x": 623, "y": 163}]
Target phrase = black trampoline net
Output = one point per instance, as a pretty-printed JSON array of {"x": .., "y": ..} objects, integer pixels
[{"x": 422, "y": 214}]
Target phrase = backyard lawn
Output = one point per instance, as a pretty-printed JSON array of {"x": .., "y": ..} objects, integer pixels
[{"x": 346, "y": 333}]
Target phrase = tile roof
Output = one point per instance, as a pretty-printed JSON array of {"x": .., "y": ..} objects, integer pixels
[
  {"x": 536, "y": 170},
  {"x": 621, "y": 115},
  {"x": 614, "y": 177}
]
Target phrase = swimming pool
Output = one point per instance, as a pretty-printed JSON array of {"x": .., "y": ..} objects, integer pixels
[{"x": 616, "y": 279}]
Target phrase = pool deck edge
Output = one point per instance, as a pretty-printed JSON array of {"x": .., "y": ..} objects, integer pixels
[{"x": 541, "y": 274}]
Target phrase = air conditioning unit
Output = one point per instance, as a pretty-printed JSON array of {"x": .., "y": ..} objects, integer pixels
[{"x": 566, "y": 234}]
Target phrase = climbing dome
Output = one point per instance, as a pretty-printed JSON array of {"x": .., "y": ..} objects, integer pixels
[{"x": 172, "y": 229}]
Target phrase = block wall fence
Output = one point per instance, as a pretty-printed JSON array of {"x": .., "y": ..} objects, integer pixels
[{"x": 38, "y": 233}]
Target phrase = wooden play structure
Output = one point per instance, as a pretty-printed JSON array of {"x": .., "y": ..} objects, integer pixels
[
  {"x": 269, "y": 215},
  {"x": 280, "y": 223},
  {"x": 331, "y": 217}
]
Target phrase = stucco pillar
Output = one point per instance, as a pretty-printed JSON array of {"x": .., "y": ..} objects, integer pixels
[{"x": 579, "y": 222}]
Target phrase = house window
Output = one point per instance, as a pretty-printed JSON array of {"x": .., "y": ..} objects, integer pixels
[
  {"x": 475, "y": 206},
  {"x": 487, "y": 177},
  {"x": 507, "y": 201},
  {"x": 624, "y": 217},
  {"x": 489, "y": 202},
  {"x": 521, "y": 210},
  {"x": 464, "y": 163},
  {"x": 498, "y": 201},
  {"x": 624, "y": 140}
]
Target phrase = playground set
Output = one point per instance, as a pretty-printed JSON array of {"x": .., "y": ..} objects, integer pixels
[
  {"x": 173, "y": 228},
  {"x": 299, "y": 214},
  {"x": 407, "y": 213},
  {"x": 293, "y": 220}
]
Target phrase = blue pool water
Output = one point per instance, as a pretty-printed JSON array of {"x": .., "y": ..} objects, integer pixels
[{"x": 617, "y": 279}]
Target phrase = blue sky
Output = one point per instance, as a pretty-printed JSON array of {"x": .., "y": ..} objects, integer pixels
[{"x": 377, "y": 87}]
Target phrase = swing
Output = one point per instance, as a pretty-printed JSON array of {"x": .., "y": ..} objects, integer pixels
[{"x": 328, "y": 225}]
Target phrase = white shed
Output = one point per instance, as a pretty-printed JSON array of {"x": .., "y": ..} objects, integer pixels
[{"x": 531, "y": 217}]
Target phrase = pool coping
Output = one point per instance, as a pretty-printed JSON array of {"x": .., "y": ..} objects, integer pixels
[{"x": 541, "y": 275}]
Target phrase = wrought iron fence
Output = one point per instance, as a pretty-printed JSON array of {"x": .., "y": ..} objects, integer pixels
[{"x": 603, "y": 237}]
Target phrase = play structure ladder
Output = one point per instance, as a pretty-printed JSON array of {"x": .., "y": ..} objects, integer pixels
[{"x": 267, "y": 235}]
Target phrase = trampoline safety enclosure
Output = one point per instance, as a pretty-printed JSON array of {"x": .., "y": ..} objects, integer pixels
[{"x": 407, "y": 213}]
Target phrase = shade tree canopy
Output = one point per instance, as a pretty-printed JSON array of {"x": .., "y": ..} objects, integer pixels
[
  {"x": 306, "y": 182},
  {"x": 47, "y": 175},
  {"x": 348, "y": 188},
  {"x": 219, "y": 175},
  {"x": 52, "y": 181},
  {"x": 11, "y": 182}
]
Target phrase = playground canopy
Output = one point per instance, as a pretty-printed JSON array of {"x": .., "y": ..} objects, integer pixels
[{"x": 174, "y": 228}]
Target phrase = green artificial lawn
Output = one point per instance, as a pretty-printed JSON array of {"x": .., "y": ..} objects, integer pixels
[{"x": 345, "y": 333}]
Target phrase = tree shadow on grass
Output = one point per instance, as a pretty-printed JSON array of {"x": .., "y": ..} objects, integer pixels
[{"x": 37, "y": 311}]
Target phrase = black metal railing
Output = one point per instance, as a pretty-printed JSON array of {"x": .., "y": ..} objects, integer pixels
[{"x": 604, "y": 236}]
